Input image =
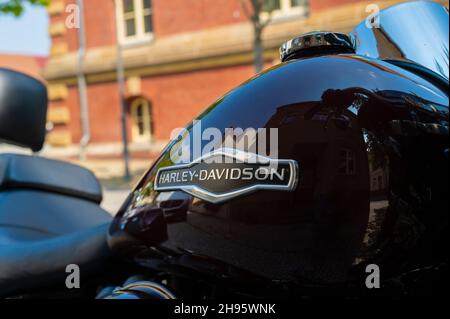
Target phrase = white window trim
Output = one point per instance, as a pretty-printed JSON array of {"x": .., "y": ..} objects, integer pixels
[
  {"x": 147, "y": 136},
  {"x": 349, "y": 155},
  {"x": 285, "y": 11},
  {"x": 140, "y": 35}
]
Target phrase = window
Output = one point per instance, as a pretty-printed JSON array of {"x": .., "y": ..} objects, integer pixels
[
  {"x": 346, "y": 162},
  {"x": 147, "y": 16},
  {"x": 134, "y": 20},
  {"x": 281, "y": 8},
  {"x": 374, "y": 183},
  {"x": 141, "y": 120},
  {"x": 380, "y": 182}
]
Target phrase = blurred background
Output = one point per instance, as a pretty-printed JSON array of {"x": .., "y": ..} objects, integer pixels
[{"x": 122, "y": 74}]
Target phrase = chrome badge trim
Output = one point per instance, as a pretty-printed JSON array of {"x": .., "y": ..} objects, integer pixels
[{"x": 243, "y": 158}]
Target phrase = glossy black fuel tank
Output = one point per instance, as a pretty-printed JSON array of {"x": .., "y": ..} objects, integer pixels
[{"x": 371, "y": 143}]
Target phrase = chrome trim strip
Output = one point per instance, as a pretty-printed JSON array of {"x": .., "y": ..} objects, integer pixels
[{"x": 199, "y": 192}]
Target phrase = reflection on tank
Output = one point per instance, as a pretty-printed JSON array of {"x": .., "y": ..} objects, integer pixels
[
  {"x": 338, "y": 215},
  {"x": 324, "y": 220},
  {"x": 357, "y": 202}
]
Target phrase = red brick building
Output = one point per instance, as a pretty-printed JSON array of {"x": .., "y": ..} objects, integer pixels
[
  {"x": 28, "y": 64},
  {"x": 179, "y": 56}
]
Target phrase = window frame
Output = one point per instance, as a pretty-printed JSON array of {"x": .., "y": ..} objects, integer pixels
[
  {"x": 139, "y": 11},
  {"x": 286, "y": 11},
  {"x": 350, "y": 157},
  {"x": 147, "y": 135}
]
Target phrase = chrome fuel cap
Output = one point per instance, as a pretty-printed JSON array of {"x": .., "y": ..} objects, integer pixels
[{"x": 316, "y": 42}]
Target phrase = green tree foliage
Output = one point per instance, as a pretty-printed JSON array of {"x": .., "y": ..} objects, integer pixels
[{"x": 16, "y": 7}]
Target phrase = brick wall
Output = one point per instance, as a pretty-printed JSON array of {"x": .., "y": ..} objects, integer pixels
[
  {"x": 73, "y": 104},
  {"x": 177, "y": 16},
  {"x": 100, "y": 23},
  {"x": 316, "y": 5},
  {"x": 104, "y": 112},
  {"x": 169, "y": 17},
  {"x": 68, "y": 37},
  {"x": 175, "y": 98}
]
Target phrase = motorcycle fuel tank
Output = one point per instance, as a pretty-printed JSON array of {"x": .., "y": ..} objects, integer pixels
[
  {"x": 369, "y": 140},
  {"x": 359, "y": 174}
]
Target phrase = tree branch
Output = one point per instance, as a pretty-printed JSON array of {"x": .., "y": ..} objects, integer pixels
[
  {"x": 250, "y": 15},
  {"x": 16, "y": 7}
]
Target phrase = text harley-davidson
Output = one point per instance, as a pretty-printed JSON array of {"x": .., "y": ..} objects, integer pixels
[{"x": 360, "y": 181}]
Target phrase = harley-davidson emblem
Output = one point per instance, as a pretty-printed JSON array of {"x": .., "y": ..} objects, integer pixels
[{"x": 227, "y": 173}]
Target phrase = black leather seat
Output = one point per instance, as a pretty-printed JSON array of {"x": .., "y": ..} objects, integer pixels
[
  {"x": 41, "y": 233},
  {"x": 49, "y": 213},
  {"x": 49, "y": 218},
  {"x": 32, "y": 259},
  {"x": 33, "y": 172}
]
